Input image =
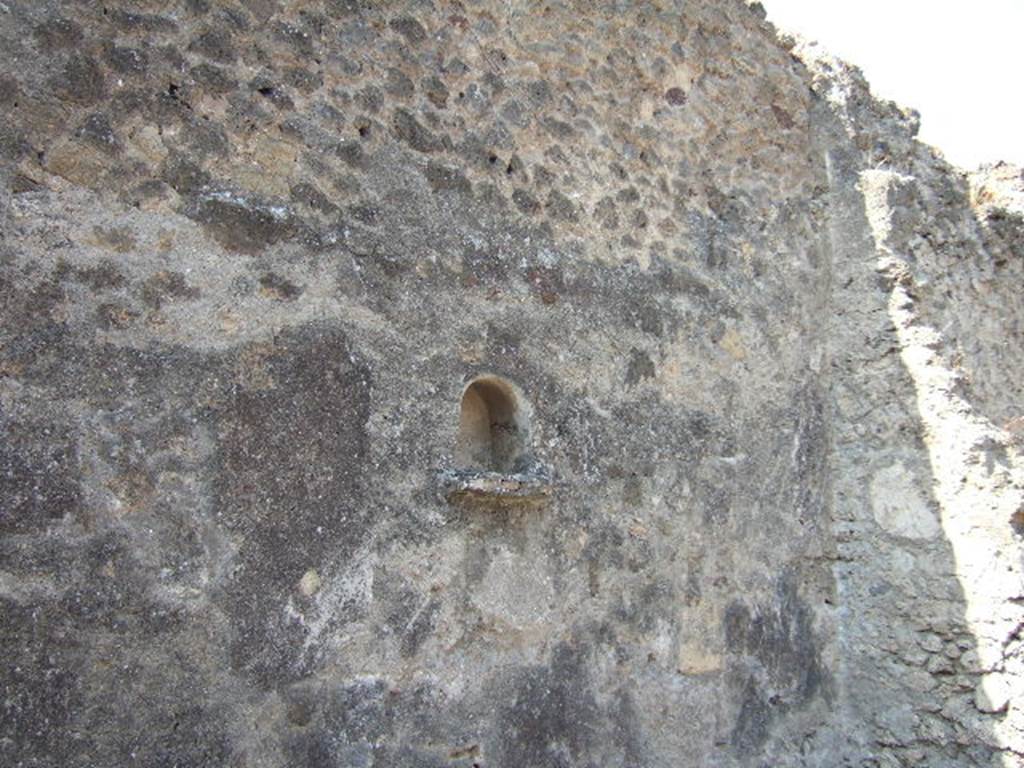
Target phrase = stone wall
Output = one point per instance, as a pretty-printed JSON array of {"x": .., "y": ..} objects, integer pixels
[{"x": 254, "y": 252}]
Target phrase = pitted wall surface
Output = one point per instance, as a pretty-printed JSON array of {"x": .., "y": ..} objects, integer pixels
[{"x": 254, "y": 252}]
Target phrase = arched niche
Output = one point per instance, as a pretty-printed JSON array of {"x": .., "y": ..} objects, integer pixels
[{"x": 494, "y": 428}]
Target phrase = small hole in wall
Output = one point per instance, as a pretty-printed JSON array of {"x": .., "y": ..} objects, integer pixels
[
  {"x": 494, "y": 430},
  {"x": 1017, "y": 521}
]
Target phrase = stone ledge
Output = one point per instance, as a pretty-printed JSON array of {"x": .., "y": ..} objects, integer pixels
[{"x": 496, "y": 489}]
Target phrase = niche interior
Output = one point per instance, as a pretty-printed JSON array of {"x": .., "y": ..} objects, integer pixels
[{"x": 494, "y": 428}]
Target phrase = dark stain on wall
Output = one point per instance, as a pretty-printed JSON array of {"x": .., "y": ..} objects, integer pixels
[
  {"x": 291, "y": 449},
  {"x": 775, "y": 655}
]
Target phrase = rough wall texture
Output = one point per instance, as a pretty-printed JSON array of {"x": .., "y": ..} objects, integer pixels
[
  {"x": 252, "y": 252},
  {"x": 927, "y": 347}
]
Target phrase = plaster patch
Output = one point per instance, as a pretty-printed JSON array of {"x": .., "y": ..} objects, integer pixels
[
  {"x": 898, "y": 505},
  {"x": 515, "y": 591},
  {"x": 732, "y": 343},
  {"x": 696, "y": 660}
]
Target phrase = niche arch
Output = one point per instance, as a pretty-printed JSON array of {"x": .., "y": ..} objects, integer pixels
[{"x": 494, "y": 427}]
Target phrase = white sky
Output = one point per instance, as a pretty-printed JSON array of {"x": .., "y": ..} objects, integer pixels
[{"x": 960, "y": 64}]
